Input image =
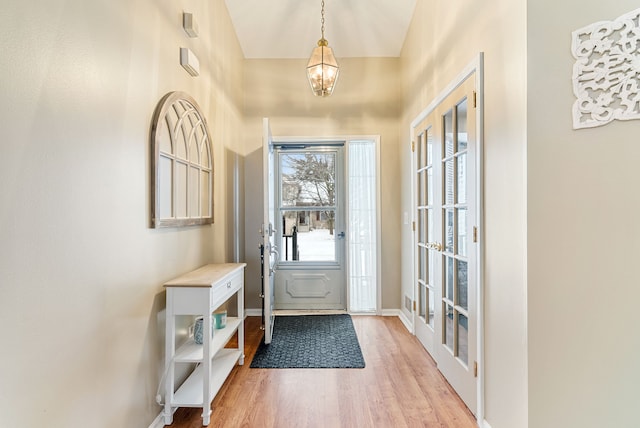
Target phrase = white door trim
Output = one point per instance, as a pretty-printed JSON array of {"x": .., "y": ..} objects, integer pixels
[
  {"x": 475, "y": 66},
  {"x": 347, "y": 139}
]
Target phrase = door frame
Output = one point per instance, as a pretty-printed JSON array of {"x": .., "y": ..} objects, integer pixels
[
  {"x": 475, "y": 66},
  {"x": 283, "y": 140}
]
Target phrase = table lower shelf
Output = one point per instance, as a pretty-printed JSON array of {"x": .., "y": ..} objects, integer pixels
[{"x": 190, "y": 392}]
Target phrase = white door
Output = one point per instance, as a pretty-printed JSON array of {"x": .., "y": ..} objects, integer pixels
[
  {"x": 270, "y": 253},
  {"x": 446, "y": 251},
  {"x": 309, "y": 202}
]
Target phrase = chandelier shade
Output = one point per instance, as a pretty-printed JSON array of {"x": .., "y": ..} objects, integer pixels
[{"x": 322, "y": 68}]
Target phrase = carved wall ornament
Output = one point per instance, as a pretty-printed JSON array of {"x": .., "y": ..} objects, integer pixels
[{"x": 606, "y": 74}]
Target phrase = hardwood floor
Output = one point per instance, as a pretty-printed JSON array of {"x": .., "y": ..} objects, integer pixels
[{"x": 400, "y": 387}]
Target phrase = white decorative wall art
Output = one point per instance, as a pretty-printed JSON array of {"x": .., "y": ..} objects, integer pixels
[{"x": 606, "y": 74}]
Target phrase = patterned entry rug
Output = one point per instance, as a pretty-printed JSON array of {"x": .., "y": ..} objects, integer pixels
[{"x": 311, "y": 341}]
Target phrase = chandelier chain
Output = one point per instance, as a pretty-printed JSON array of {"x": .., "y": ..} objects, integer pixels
[{"x": 322, "y": 20}]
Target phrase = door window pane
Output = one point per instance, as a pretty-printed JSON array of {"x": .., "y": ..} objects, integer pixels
[
  {"x": 308, "y": 236},
  {"x": 430, "y": 186},
  {"x": 463, "y": 338},
  {"x": 447, "y": 314},
  {"x": 463, "y": 285},
  {"x": 449, "y": 148},
  {"x": 308, "y": 179},
  {"x": 461, "y": 177},
  {"x": 462, "y": 125},
  {"x": 431, "y": 303},
  {"x": 448, "y": 218},
  {"x": 422, "y": 310},
  {"x": 429, "y": 147},
  {"x": 462, "y": 231},
  {"x": 449, "y": 278},
  {"x": 448, "y": 182}
]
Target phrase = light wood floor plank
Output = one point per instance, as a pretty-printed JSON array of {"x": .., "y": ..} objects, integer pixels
[{"x": 399, "y": 387}]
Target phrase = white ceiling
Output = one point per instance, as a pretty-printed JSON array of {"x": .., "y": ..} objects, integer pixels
[{"x": 291, "y": 28}]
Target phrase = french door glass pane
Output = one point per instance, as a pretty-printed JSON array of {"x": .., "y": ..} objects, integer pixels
[
  {"x": 448, "y": 326},
  {"x": 431, "y": 302},
  {"x": 449, "y": 278},
  {"x": 463, "y": 338},
  {"x": 449, "y": 148},
  {"x": 430, "y": 186},
  {"x": 462, "y": 231},
  {"x": 462, "y": 125},
  {"x": 422, "y": 310},
  {"x": 449, "y": 230},
  {"x": 463, "y": 285},
  {"x": 448, "y": 183},
  {"x": 422, "y": 263},
  {"x": 422, "y": 188},
  {"x": 462, "y": 179}
]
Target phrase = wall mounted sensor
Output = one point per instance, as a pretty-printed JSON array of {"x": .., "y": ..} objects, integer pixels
[{"x": 189, "y": 61}]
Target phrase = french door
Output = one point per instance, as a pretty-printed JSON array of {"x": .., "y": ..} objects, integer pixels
[{"x": 445, "y": 319}]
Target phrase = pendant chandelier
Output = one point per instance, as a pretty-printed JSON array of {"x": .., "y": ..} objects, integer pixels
[{"x": 322, "y": 69}]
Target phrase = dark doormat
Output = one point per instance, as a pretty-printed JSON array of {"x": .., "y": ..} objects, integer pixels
[{"x": 311, "y": 341}]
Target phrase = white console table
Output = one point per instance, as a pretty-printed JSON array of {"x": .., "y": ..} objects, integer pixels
[{"x": 201, "y": 292}]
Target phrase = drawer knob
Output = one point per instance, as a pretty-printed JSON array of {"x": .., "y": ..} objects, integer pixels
[{"x": 229, "y": 284}]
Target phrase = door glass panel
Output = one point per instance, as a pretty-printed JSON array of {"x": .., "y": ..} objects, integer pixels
[
  {"x": 463, "y": 285},
  {"x": 422, "y": 151},
  {"x": 429, "y": 147},
  {"x": 448, "y": 218},
  {"x": 431, "y": 303},
  {"x": 308, "y": 179},
  {"x": 430, "y": 186},
  {"x": 422, "y": 188},
  {"x": 308, "y": 236},
  {"x": 448, "y": 325},
  {"x": 448, "y": 180},
  {"x": 461, "y": 178},
  {"x": 422, "y": 311},
  {"x": 463, "y": 338},
  {"x": 431, "y": 273},
  {"x": 430, "y": 230},
  {"x": 462, "y": 231},
  {"x": 449, "y": 148},
  {"x": 422, "y": 263},
  {"x": 422, "y": 225},
  {"x": 462, "y": 125},
  {"x": 449, "y": 278}
]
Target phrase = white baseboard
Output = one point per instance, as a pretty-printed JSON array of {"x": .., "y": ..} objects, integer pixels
[
  {"x": 253, "y": 312},
  {"x": 485, "y": 424},
  {"x": 400, "y": 314},
  {"x": 158, "y": 422}
]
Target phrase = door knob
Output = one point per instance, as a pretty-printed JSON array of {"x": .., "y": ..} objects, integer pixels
[{"x": 435, "y": 246}]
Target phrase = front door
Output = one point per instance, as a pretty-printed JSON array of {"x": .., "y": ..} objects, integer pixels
[
  {"x": 445, "y": 244},
  {"x": 309, "y": 199},
  {"x": 269, "y": 251}
]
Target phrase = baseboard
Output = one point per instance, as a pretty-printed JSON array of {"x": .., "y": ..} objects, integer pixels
[
  {"x": 158, "y": 422},
  {"x": 253, "y": 312},
  {"x": 400, "y": 314},
  {"x": 485, "y": 424}
]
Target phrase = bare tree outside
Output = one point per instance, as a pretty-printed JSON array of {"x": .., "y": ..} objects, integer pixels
[{"x": 315, "y": 175}]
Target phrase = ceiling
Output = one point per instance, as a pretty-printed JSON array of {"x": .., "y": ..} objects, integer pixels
[{"x": 291, "y": 28}]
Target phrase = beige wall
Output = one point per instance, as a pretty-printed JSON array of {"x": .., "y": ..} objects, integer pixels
[
  {"x": 366, "y": 102},
  {"x": 81, "y": 273},
  {"x": 583, "y": 238},
  {"x": 443, "y": 39}
]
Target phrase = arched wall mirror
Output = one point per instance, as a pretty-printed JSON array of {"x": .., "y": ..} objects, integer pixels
[{"x": 181, "y": 164}]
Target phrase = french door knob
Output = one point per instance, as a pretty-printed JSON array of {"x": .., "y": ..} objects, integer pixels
[{"x": 435, "y": 246}]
